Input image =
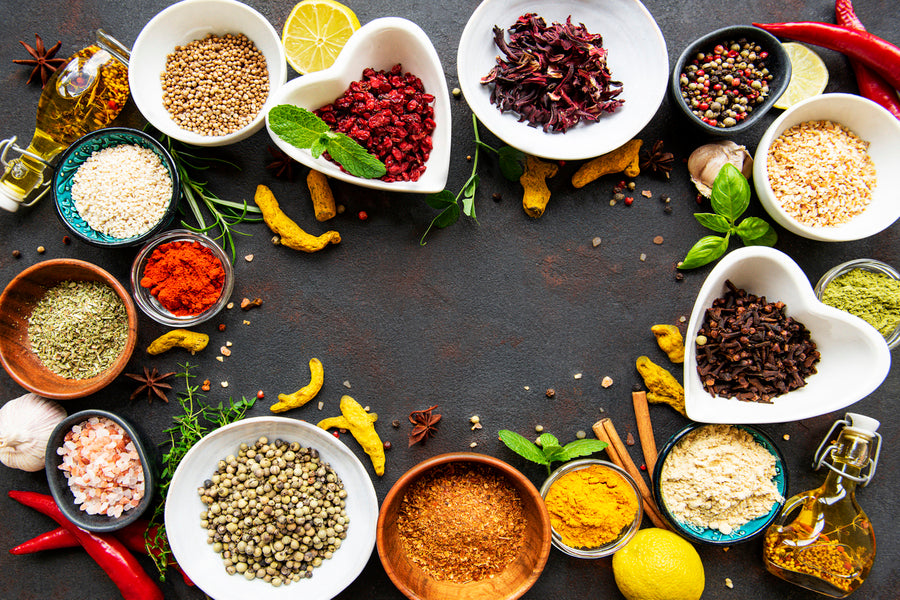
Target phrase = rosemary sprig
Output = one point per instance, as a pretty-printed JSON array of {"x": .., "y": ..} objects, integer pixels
[
  {"x": 196, "y": 420},
  {"x": 225, "y": 213}
]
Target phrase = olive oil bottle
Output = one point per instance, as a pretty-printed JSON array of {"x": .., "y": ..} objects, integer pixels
[
  {"x": 822, "y": 540},
  {"x": 84, "y": 95}
]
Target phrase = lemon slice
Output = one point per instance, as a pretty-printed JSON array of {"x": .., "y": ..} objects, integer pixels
[
  {"x": 315, "y": 32},
  {"x": 808, "y": 75}
]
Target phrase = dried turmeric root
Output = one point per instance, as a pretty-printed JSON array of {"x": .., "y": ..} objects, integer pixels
[
  {"x": 322, "y": 198},
  {"x": 304, "y": 394},
  {"x": 624, "y": 159},
  {"x": 662, "y": 386},
  {"x": 362, "y": 425},
  {"x": 670, "y": 341},
  {"x": 181, "y": 338},
  {"x": 290, "y": 234},
  {"x": 534, "y": 180}
]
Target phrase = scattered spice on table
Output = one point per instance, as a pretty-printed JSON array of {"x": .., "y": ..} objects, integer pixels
[
  {"x": 78, "y": 329},
  {"x": 719, "y": 477},
  {"x": 424, "y": 424},
  {"x": 591, "y": 507},
  {"x": 185, "y": 277},
  {"x": 752, "y": 349},
  {"x": 821, "y": 173},
  {"x": 554, "y": 76},
  {"x": 461, "y": 523},
  {"x": 724, "y": 83},
  {"x": 873, "y": 297}
]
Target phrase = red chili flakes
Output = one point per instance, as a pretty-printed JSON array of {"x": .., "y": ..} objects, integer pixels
[{"x": 391, "y": 116}]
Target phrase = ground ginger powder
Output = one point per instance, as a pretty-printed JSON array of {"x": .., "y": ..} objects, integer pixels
[{"x": 591, "y": 507}]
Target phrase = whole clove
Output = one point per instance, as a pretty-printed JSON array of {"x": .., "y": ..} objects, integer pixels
[{"x": 752, "y": 350}]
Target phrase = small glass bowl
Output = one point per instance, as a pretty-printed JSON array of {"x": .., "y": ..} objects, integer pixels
[
  {"x": 867, "y": 264},
  {"x": 151, "y": 306},
  {"x": 627, "y": 533}
]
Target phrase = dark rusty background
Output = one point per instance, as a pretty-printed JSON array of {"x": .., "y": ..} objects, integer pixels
[{"x": 470, "y": 322}]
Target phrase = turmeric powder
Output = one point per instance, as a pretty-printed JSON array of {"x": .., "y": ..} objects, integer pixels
[
  {"x": 534, "y": 180},
  {"x": 591, "y": 507},
  {"x": 322, "y": 197},
  {"x": 662, "y": 385},
  {"x": 290, "y": 234},
  {"x": 670, "y": 341},
  {"x": 624, "y": 159}
]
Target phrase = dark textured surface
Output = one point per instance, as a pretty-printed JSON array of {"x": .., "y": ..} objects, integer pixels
[{"x": 467, "y": 322}]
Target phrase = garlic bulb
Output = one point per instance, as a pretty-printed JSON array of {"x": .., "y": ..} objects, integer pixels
[
  {"x": 706, "y": 161},
  {"x": 25, "y": 427}
]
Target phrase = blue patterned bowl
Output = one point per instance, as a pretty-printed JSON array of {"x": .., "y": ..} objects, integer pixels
[
  {"x": 72, "y": 159},
  {"x": 746, "y": 531}
]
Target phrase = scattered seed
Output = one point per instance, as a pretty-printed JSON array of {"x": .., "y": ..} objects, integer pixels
[
  {"x": 612, "y": 202},
  {"x": 229, "y": 343},
  {"x": 728, "y": 583},
  {"x": 16, "y": 254},
  {"x": 246, "y": 322},
  {"x": 387, "y": 445},
  {"x": 726, "y": 548},
  {"x": 395, "y": 423},
  {"x": 224, "y": 384},
  {"x": 647, "y": 194},
  {"x": 276, "y": 239},
  {"x": 469, "y": 158},
  {"x": 362, "y": 215},
  {"x": 786, "y": 437},
  {"x": 220, "y": 358},
  {"x": 701, "y": 340},
  {"x": 603, "y": 410},
  {"x": 580, "y": 434},
  {"x": 658, "y": 240},
  {"x": 550, "y": 392},
  {"x": 537, "y": 441},
  {"x": 40, "y": 249},
  {"x": 205, "y": 385},
  {"x": 629, "y": 200},
  {"x": 474, "y": 419},
  {"x": 667, "y": 209},
  {"x": 682, "y": 319},
  {"x": 527, "y": 388},
  {"x": 347, "y": 384},
  {"x": 679, "y": 276},
  {"x": 607, "y": 381},
  {"x": 456, "y": 92},
  {"x": 249, "y": 258},
  {"x": 577, "y": 375},
  {"x": 341, "y": 209},
  {"x": 629, "y": 439},
  {"x": 230, "y": 305},
  {"x": 247, "y": 303},
  {"x": 321, "y": 405},
  {"x": 225, "y": 351},
  {"x": 260, "y": 394},
  {"x": 67, "y": 240},
  {"x": 595, "y": 242},
  {"x": 643, "y": 257},
  {"x": 539, "y": 428},
  {"x": 473, "y": 444},
  {"x": 221, "y": 326},
  {"x": 496, "y": 197},
  {"x": 643, "y": 467},
  {"x": 476, "y": 426}
]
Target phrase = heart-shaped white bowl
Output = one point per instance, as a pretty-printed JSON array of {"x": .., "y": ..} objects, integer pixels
[
  {"x": 854, "y": 357},
  {"x": 379, "y": 44}
]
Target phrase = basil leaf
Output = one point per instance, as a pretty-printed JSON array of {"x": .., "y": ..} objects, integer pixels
[
  {"x": 511, "y": 162},
  {"x": 297, "y": 126},
  {"x": 582, "y": 448},
  {"x": 706, "y": 250},
  {"x": 354, "y": 158},
  {"x": 768, "y": 238},
  {"x": 730, "y": 193},
  {"x": 521, "y": 446},
  {"x": 752, "y": 228},
  {"x": 714, "y": 222}
]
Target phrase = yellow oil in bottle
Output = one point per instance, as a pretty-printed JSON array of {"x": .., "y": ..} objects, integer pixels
[
  {"x": 84, "y": 95},
  {"x": 829, "y": 545}
]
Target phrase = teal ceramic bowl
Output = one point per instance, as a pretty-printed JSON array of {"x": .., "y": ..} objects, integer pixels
[
  {"x": 748, "y": 530},
  {"x": 72, "y": 159}
]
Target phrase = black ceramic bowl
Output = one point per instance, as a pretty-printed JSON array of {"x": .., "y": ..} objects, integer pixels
[
  {"x": 59, "y": 485},
  {"x": 778, "y": 62},
  {"x": 748, "y": 530}
]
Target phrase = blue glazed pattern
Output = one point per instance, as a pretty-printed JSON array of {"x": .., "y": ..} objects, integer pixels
[
  {"x": 79, "y": 152},
  {"x": 747, "y": 530}
]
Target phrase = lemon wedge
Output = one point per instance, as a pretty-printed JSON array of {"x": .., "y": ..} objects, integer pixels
[
  {"x": 808, "y": 75},
  {"x": 315, "y": 32}
]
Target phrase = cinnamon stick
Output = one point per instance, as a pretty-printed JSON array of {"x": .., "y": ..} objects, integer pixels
[
  {"x": 645, "y": 428},
  {"x": 605, "y": 432}
]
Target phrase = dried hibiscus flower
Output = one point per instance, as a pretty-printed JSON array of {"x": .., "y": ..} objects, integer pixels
[{"x": 554, "y": 76}]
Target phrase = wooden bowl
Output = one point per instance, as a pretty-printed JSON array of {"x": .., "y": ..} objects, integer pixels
[
  {"x": 16, "y": 303},
  {"x": 512, "y": 582}
]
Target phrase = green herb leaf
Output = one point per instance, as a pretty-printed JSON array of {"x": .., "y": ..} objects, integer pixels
[
  {"x": 705, "y": 251},
  {"x": 522, "y": 446},
  {"x": 730, "y": 193},
  {"x": 297, "y": 126},
  {"x": 319, "y": 146},
  {"x": 713, "y": 221},
  {"x": 355, "y": 158},
  {"x": 440, "y": 200},
  {"x": 752, "y": 228},
  {"x": 549, "y": 445},
  {"x": 582, "y": 448},
  {"x": 768, "y": 237},
  {"x": 511, "y": 162},
  {"x": 468, "y": 200}
]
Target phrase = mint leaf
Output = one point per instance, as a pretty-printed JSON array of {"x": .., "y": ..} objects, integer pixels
[
  {"x": 521, "y": 446},
  {"x": 549, "y": 444},
  {"x": 705, "y": 251},
  {"x": 318, "y": 146},
  {"x": 582, "y": 448},
  {"x": 297, "y": 126},
  {"x": 355, "y": 158},
  {"x": 714, "y": 222},
  {"x": 730, "y": 193},
  {"x": 511, "y": 162}
]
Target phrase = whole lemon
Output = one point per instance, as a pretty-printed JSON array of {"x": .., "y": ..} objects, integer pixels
[{"x": 658, "y": 565}]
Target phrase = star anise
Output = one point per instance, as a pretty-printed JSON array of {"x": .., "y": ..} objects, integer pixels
[
  {"x": 152, "y": 383},
  {"x": 424, "y": 425},
  {"x": 42, "y": 59},
  {"x": 657, "y": 160},
  {"x": 282, "y": 164}
]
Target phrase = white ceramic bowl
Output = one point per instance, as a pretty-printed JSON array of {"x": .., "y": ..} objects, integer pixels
[
  {"x": 379, "y": 44},
  {"x": 185, "y": 22},
  {"x": 188, "y": 539},
  {"x": 869, "y": 121},
  {"x": 854, "y": 357},
  {"x": 637, "y": 57}
]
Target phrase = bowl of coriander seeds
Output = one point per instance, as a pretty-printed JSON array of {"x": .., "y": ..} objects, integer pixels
[{"x": 204, "y": 71}]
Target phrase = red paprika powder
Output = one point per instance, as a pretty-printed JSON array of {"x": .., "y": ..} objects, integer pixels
[{"x": 185, "y": 277}]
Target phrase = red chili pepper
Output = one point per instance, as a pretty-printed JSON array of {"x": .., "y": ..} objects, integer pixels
[
  {"x": 871, "y": 84},
  {"x": 108, "y": 552},
  {"x": 871, "y": 50},
  {"x": 51, "y": 540}
]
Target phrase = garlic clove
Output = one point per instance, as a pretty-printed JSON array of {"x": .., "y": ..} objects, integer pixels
[
  {"x": 705, "y": 162},
  {"x": 25, "y": 427}
]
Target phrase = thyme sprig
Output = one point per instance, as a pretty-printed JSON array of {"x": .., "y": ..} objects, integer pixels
[
  {"x": 196, "y": 420},
  {"x": 225, "y": 214}
]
